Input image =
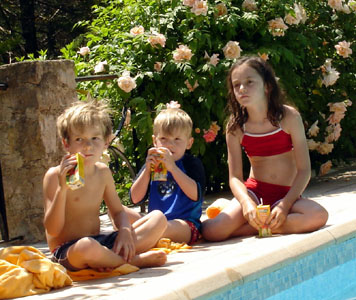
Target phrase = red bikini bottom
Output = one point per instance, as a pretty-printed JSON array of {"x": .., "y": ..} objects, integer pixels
[{"x": 266, "y": 193}]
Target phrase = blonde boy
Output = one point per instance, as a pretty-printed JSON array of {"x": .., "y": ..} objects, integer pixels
[
  {"x": 180, "y": 196},
  {"x": 72, "y": 216}
]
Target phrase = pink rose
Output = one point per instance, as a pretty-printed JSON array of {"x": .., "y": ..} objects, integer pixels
[
  {"x": 325, "y": 168},
  {"x": 158, "y": 66},
  {"x": 232, "y": 50},
  {"x": 214, "y": 127},
  {"x": 137, "y": 30},
  {"x": 343, "y": 49},
  {"x": 200, "y": 8},
  {"x": 190, "y": 87},
  {"x": 314, "y": 129},
  {"x": 189, "y": 3},
  {"x": 209, "y": 136},
  {"x": 221, "y": 8},
  {"x": 182, "y": 53},
  {"x": 173, "y": 104},
  {"x": 277, "y": 27},
  {"x": 126, "y": 83},
  {"x": 249, "y": 5},
  {"x": 157, "y": 39},
  {"x": 325, "y": 148},
  {"x": 312, "y": 145}
]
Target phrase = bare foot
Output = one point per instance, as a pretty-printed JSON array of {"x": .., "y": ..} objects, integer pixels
[{"x": 149, "y": 259}]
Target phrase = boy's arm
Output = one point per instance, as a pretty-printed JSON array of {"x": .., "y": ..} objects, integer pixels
[
  {"x": 139, "y": 187},
  {"x": 124, "y": 244},
  {"x": 55, "y": 193},
  {"x": 187, "y": 184}
]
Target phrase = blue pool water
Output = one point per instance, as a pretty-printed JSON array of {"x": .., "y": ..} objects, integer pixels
[{"x": 327, "y": 274}]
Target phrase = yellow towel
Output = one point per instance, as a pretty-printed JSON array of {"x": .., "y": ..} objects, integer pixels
[
  {"x": 88, "y": 274},
  {"x": 168, "y": 246},
  {"x": 24, "y": 271}
]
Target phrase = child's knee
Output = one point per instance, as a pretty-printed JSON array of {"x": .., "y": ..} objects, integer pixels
[
  {"x": 210, "y": 231},
  {"x": 85, "y": 246},
  {"x": 323, "y": 216}
]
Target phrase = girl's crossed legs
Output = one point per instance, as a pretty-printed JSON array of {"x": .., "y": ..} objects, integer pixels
[{"x": 304, "y": 216}]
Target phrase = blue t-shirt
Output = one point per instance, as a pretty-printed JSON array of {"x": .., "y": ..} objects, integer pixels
[{"x": 168, "y": 197}]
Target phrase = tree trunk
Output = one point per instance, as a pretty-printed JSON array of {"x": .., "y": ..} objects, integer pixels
[{"x": 28, "y": 26}]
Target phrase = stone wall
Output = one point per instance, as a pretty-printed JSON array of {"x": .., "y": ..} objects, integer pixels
[{"x": 37, "y": 93}]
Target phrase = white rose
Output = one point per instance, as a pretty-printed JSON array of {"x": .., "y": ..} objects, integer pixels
[
  {"x": 100, "y": 67},
  {"x": 84, "y": 51}
]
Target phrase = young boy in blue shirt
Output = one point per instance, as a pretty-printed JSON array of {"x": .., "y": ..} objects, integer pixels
[{"x": 180, "y": 196}]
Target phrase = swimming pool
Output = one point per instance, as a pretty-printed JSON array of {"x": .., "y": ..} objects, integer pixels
[{"x": 327, "y": 274}]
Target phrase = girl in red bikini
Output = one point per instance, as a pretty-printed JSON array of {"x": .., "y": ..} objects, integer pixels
[{"x": 272, "y": 135}]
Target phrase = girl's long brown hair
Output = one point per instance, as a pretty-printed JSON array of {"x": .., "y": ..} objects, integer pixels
[{"x": 238, "y": 113}]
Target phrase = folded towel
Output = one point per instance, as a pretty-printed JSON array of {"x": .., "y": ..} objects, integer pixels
[
  {"x": 88, "y": 274},
  {"x": 25, "y": 270},
  {"x": 168, "y": 246}
]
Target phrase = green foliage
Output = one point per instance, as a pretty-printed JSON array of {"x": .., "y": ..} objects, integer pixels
[{"x": 297, "y": 57}]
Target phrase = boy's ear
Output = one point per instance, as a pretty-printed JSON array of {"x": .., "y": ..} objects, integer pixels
[
  {"x": 190, "y": 143},
  {"x": 109, "y": 140},
  {"x": 65, "y": 144},
  {"x": 154, "y": 140}
]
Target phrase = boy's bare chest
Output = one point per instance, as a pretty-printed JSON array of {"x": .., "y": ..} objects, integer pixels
[{"x": 88, "y": 197}]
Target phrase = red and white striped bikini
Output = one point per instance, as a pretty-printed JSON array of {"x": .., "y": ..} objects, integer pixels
[{"x": 266, "y": 144}]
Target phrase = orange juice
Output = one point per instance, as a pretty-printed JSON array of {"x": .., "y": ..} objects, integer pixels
[
  {"x": 75, "y": 177},
  {"x": 159, "y": 172},
  {"x": 263, "y": 212}
]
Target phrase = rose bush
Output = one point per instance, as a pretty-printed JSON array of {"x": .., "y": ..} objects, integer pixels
[{"x": 181, "y": 50}]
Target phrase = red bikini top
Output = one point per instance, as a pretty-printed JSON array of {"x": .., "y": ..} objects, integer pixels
[{"x": 267, "y": 144}]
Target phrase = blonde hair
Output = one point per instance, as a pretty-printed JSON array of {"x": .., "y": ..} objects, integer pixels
[
  {"x": 171, "y": 119},
  {"x": 81, "y": 114}
]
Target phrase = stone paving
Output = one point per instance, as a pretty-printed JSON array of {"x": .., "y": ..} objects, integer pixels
[{"x": 210, "y": 266}]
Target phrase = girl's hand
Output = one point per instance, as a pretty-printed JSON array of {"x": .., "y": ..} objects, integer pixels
[
  {"x": 124, "y": 244},
  {"x": 277, "y": 217},
  {"x": 68, "y": 162},
  {"x": 250, "y": 214}
]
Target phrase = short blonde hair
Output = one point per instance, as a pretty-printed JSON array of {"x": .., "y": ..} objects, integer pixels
[
  {"x": 81, "y": 114},
  {"x": 171, "y": 119}
]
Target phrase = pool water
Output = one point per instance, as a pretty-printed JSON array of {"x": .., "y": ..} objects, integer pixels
[
  {"x": 327, "y": 274},
  {"x": 335, "y": 284}
]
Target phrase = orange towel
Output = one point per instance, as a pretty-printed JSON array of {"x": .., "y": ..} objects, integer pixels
[
  {"x": 168, "y": 246},
  {"x": 216, "y": 207},
  {"x": 88, "y": 274},
  {"x": 24, "y": 271}
]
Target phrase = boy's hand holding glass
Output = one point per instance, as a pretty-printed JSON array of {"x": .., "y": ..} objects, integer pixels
[
  {"x": 166, "y": 157},
  {"x": 68, "y": 162}
]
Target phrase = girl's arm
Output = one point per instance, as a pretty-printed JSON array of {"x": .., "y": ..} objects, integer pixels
[
  {"x": 236, "y": 179},
  {"x": 294, "y": 125}
]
